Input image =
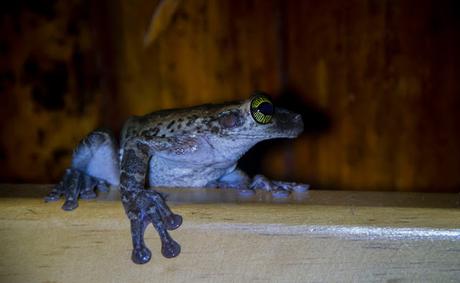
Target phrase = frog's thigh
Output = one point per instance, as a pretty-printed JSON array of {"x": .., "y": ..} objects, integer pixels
[{"x": 97, "y": 156}]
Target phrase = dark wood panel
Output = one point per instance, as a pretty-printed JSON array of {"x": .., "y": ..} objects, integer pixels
[
  {"x": 385, "y": 73},
  {"x": 375, "y": 80},
  {"x": 212, "y": 51},
  {"x": 49, "y": 86}
]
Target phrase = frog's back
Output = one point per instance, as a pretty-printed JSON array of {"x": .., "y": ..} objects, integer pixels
[{"x": 172, "y": 122}]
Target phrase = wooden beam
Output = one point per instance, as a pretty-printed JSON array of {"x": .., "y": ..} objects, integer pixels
[{"x": 322, "y": 236}]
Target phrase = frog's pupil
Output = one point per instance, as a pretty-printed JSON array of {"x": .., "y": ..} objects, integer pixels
[{"x": 266, "y": 108}]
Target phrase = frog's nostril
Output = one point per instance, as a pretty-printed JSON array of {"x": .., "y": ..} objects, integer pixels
[{"x": 297, "y": 117}]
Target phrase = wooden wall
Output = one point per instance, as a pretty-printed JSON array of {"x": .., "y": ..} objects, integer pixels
[
  {"x": 375, "y": 81},
  {"x": 387, "y": 74},
  {"x": 49, "y": 86}
]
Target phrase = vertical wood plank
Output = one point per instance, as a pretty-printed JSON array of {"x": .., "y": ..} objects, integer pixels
[{"x": 383, "y": 72}]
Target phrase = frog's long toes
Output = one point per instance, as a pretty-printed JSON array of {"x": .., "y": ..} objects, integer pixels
[
  {"x": 172, "y": 221},
  {"x": 141, "y": 255},
  {"x": 87, "y": 184},
  {"x": 260, "y": 182},
  {"x": 170, "y": 249},
  {"x": 70, "y": 204},
  {"x": 76, "y": 184},
  {"x": 59, "y": 189},
  {"x": 300, "y": 188},
  {"x": 280, "y": 194}
]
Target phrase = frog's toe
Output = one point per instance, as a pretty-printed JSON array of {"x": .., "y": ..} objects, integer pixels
[
  {"x": 148, "y": 207},
  {"x": 172, "y": 221},
  {"x": 70, "y": 204},
  {"x": 260, "y": 182},
  {"x": 75, "y": 184},
  {"x": 163, "y": 219},
  {"x": 279, "y": 189},
  {"x": 280, "y": 193},
  {"x": 59, "y": 189},
  {"x": 88, "y": 186},
  {"x": 170, "y": 249},
  {"x": 141, "y": 255},
  {"x": 291, "y": 186},
  {"x": 71, "y": 185},
  {"x": 301, "y": 188}
]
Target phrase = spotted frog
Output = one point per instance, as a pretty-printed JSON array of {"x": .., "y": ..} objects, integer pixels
[{"x": 191, "y": 147}]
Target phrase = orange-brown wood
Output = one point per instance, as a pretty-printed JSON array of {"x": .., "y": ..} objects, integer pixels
[
  {"x": 375, "y": 80},
  {"x": 385, "y": 72}
]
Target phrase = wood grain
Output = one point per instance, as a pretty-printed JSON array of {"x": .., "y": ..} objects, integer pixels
[{"x": 325, "y": 237}]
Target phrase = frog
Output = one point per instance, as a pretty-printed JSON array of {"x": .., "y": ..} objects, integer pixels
[{"x": 191, "y": 147}]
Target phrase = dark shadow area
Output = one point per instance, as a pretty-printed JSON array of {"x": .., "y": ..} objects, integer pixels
[{"x": 316, "y": 122}]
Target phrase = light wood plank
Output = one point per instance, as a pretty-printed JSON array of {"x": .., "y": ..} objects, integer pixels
[{"x": 314, "y": 237}]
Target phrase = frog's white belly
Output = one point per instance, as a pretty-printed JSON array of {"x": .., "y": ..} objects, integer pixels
[{"x": 167, "y": 173}]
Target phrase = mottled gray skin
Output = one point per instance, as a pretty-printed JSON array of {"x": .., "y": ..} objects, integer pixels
[{"x": 192, "y": 147}]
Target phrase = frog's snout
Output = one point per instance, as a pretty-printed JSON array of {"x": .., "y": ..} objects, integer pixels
[
  {"x": 289, "y": 124},
  {"x": 297, "y": 119},
  {"x": 298, "y": 124}
]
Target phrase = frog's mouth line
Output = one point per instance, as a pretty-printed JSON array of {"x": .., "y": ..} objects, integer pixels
[{"x": 289, "y": 135}]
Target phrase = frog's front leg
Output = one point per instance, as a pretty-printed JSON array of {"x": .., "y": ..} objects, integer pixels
[{"x": 144, "y": 206}]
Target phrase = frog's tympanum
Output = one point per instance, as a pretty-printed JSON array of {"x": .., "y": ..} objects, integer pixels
[{"x": 192, "y": 147}]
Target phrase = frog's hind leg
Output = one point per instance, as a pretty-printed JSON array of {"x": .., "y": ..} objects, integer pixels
[
  {"x": 279, "y": 189},
  {"x": 94, "y": 165},
  {"x": 237, "y": 179}
]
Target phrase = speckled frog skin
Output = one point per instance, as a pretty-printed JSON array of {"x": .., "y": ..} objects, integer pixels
[{"x": 192, "y": 147}]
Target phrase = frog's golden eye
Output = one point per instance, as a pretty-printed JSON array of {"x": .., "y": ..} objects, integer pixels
[{"x": 262, "y": 109}]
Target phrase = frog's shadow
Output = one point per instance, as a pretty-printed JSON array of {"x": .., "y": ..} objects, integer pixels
[{"x": 316, "y": 121}]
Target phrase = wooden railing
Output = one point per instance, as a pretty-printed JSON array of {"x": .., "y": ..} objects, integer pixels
[{"x": 319, "y": 236}]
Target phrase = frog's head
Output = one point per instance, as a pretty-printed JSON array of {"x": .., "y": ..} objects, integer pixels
[{"x": 257, "y": 119}]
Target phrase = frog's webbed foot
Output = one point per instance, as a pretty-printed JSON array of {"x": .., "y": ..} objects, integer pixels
[
  {"x": 76, "y": 184},
  {"x": 94, "y": 165},
  {"x": 279, "y": 189},
  {"x": 146, "y": 207}
]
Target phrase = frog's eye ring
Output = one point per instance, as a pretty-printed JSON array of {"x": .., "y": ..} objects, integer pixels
[{"x": 262, "y": 109}]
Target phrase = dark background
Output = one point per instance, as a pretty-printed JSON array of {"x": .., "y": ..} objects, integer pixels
[{"x": 377, "y": 82}]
